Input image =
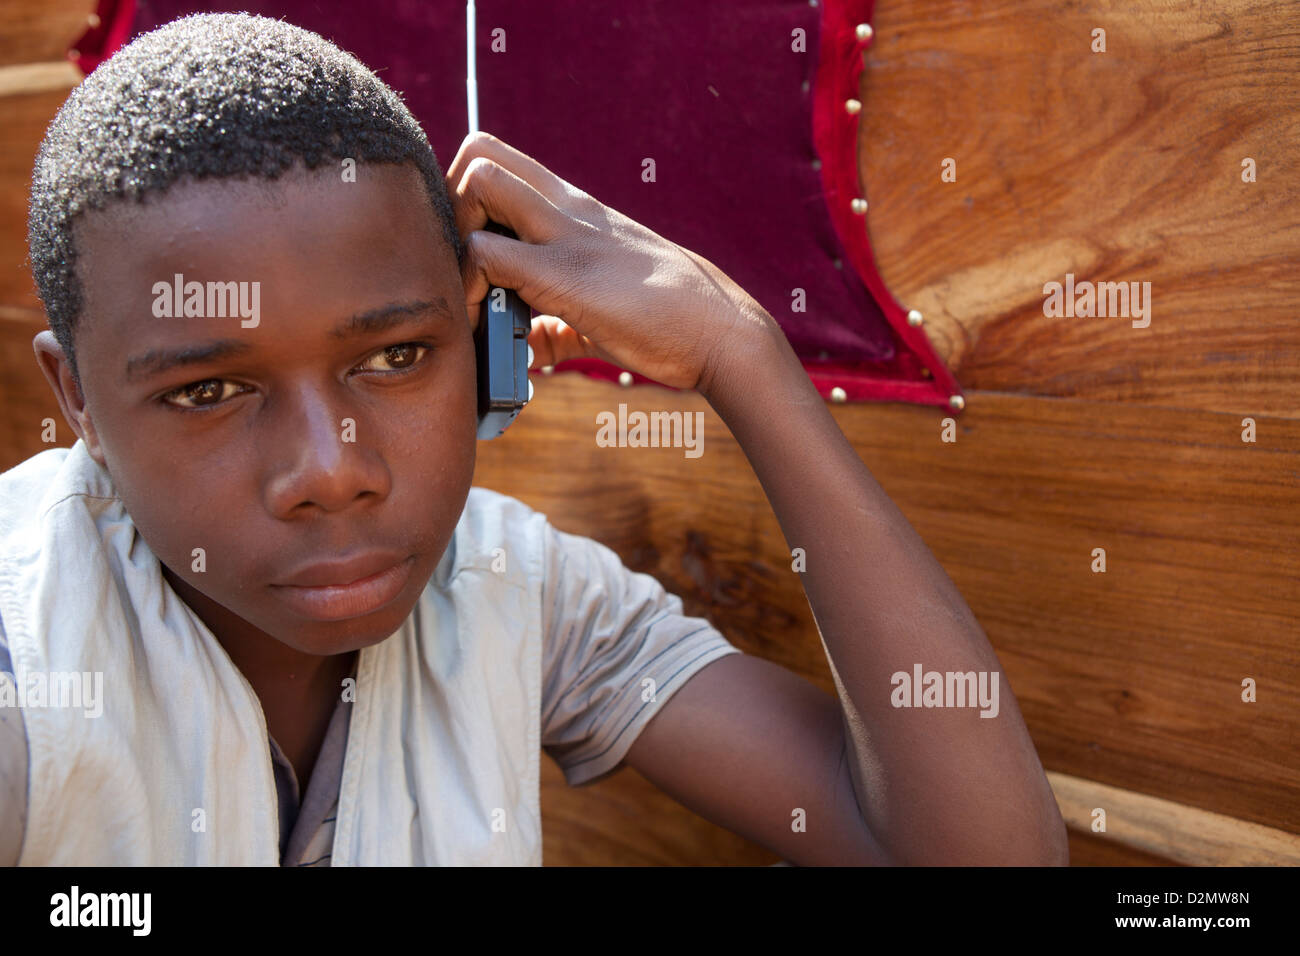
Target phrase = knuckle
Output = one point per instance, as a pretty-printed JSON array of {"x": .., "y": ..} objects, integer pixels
[
  {"x": 480, "y": 167},
  {"x": 575, "y": 195},
  {"x": 470, "y": 265},
  {"x": 473, "y": 246}
]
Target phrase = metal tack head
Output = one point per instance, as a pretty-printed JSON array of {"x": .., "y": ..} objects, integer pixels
[
  {"x": 956, "y": 403},
  {"x": 864, "y": 31},
  {"x": 853, "y": 106},
  {"x": 838, "y": 394},
  {"x": 859, "y": 206},
  {"x": 914, "y": 318},
  {"x": 625, "y": 378}
]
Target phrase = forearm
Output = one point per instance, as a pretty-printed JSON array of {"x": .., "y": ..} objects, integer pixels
[{"x": 935, "y": 784}]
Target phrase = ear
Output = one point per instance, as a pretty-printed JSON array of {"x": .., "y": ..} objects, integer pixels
[{"x": 58, "y": 372}]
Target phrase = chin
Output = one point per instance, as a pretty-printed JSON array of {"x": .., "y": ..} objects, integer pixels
[{"x": 342, "y": 637}]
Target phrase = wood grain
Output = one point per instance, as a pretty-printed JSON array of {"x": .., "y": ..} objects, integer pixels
[
  {"x": 1090, "y": 849},
  {"x": 625, "y": 820},
  {"x": 25, "y": 396},
  {"x": 1116, "y": 166},
  {"x": 38, "y": 77},
  {"x": 1130, "y": 677},
  {"x": 23, "y": 120},
  {"x": 1168, "y": 830},
  {"x": 32, "y": 31}
]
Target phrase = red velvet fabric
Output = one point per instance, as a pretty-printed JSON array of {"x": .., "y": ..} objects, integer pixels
[{"x": 752, "y": 170}]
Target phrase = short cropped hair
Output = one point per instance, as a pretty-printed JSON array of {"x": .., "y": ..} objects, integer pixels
[{"x": 208, "y": 96}]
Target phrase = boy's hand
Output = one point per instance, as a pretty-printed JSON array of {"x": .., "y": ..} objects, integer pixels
[{"x": 609, "y": 287}]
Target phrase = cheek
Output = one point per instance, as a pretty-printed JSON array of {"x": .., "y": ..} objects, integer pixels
[
  {"x": 435, "y": 430},
  {"x": 196, "y": 534},
  {"x": 430, "y": 449},
  {"x": 180, "y": 500},
  {"x": 430, "y": 453}
]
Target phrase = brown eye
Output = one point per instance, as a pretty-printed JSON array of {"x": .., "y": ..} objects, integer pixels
[
  {"x": 201, "y": 394},
  {"x": 397, "y": 358},
  {"x": 204, "y": 393},
  {"x": 400, "y": 356}
]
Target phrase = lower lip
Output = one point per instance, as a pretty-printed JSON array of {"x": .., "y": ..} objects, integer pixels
[{"x": 348, "y": 600}]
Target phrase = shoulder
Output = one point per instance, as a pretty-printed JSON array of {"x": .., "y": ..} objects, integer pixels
[
  {"x": 24, "y": 486},
  {"x": 500, "y": 534},
  {"x": 487, "y": 508},
  {"x": 41, "y": 465},
  {"x": 51, "y": 493}
]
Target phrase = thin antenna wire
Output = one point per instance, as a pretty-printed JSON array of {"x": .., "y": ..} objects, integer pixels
[{"x": 471, "y": 76}]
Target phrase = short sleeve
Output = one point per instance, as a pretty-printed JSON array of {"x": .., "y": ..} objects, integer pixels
[{"x": 607, "y": 632}]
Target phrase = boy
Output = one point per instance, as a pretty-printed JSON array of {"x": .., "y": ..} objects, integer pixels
[{"x": 265, "y": 539}]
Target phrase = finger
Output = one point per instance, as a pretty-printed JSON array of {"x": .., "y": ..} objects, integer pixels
[
  {"x": 491, "y": 192},
  {"x": 553, "y": 340},
  {"x": 556, "y": 190},
  {"x": 493, "y": 260}
]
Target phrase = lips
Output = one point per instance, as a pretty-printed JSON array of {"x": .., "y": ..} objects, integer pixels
[
  {"x": 347, "y": 587},
  {"x": 343, "y": 571}
]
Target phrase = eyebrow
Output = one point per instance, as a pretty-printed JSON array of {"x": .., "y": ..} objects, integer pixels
[
  {"x": 157, "y": 361},
  {"x": 385, "y": 317}
]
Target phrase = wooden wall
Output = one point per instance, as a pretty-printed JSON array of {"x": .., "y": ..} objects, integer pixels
[{"x": 1078, "y": 433}]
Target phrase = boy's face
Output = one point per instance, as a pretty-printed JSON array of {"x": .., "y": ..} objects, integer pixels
[{"x": 317, "y": 435}]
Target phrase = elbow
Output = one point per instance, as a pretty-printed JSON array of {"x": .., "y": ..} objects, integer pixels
[
  {"x": 1045, "y": 845},
  {"x": 1032, "y": 840},
  {"x": 1055, "y": 845},
  {"x": 1052, "y": 847}
]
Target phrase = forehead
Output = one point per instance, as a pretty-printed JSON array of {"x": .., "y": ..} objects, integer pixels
[{"x": 306, "y": 228}]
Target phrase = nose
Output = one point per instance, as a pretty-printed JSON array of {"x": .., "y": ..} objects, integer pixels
[{"x": 324, "y": 459}]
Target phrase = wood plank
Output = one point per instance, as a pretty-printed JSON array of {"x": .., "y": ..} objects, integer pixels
[
  {"x": 624, "y": 820},
  {"x": 1131, "y": 677},
  {"x": 23, "y": 120},
  {"x": 1090, "y": 849},
  {"x": 1168, "y": 830},
  {"x": 25, "y": 396},
  {"x": 38, "y": 77},
  {"x": 1116, "y": 166},
  {"x": 32, "y": 31}
]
